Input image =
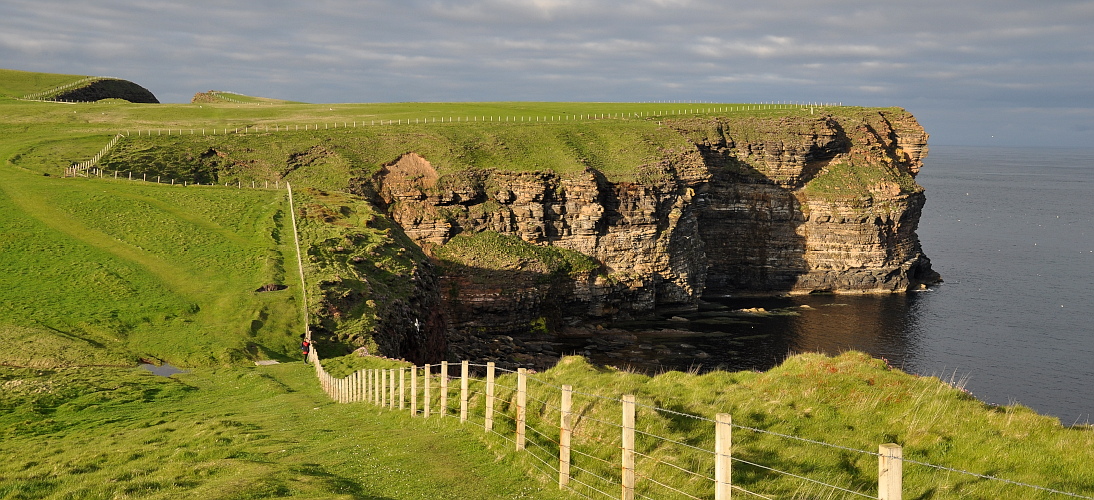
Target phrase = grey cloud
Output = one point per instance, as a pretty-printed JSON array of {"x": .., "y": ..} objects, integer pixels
[{"x": 936, "y": 56}]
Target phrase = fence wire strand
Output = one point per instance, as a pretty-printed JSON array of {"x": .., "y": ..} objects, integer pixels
[
  {"x": 662, "y": 438},
  {"x": 663, "y": 485},
  {"x": 576, "y": 480},
  {"x": 993, "y": 478},
  {"x": 803, "y": 478},
  {"x": 658, "y": 461}
]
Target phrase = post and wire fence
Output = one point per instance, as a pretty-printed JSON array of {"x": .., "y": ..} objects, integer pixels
[
  {"x": 599, "y": 446},
  {"x": 47, "y": 94},
  {"x": 90, "y": 167}
]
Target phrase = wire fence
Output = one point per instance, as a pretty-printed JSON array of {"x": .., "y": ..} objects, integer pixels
[
  {"x": 467, "y": 118},
  {"x": 46, "y": 95},
  {"x": 88, "y": 168},
  {"x": 615, "y": 447},
  {"x": 82, "y": 168}
]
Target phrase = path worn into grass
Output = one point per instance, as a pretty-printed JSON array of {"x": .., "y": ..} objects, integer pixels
[
  {"x": 32, "y": 197},
  {"x": 233, "y": 433}
]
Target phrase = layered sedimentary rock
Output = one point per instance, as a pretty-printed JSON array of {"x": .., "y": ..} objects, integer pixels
[
  {"x": 799, "y": 205},
  {"x": 789, "y": 204}
]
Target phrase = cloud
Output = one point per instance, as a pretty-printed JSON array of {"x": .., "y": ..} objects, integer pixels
[{"x": 935, "y": 54}]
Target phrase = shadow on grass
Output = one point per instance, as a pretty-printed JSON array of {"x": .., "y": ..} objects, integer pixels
[{"x": 335, "y": 483}]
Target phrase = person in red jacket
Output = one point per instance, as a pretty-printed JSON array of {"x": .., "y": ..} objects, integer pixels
[{"x": 305, "y": 348}]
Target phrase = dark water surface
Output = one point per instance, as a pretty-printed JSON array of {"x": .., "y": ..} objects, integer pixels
[{"x": 1011, "y": 230}]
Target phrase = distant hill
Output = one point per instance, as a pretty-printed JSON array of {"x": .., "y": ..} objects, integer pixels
[
  {"x": 214, "y": 96},
  {"x": 109, "y": 89},
  {"x": 72, "y": 88}
]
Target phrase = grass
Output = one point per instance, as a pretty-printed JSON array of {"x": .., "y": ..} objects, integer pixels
[
  {"x": 851, "y": 400},
  {"x": 358, "y": 265},
  {"x": 491, "y": 251},
  {"x": 130, "y": 270},
  {"x": 14, "y": 83},
  {"x": 237, "y": 433}
]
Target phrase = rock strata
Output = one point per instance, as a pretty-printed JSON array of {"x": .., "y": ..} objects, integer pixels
[{"x": 791, "y": 204}]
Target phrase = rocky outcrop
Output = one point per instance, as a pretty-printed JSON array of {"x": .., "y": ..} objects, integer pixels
[
  {"x": 804, "y": 205},
  {"x": 789, "y": 204}
]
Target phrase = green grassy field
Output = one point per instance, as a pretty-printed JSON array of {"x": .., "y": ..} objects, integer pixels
[
  {"x": 107, "y": 272},
  {"x": 143, "y": 271},
  {"x": 239, "y": 433}
]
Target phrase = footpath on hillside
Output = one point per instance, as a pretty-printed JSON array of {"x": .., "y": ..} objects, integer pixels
[{"x": 231, "y": 433}]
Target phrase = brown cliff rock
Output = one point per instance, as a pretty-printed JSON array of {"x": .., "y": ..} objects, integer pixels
[{"x": 786, "y": 204}]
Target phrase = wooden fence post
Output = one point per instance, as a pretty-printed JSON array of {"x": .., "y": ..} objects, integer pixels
[
  {"x": 628, "y": 447},
  {"x": 488, "y": 422},
  {"x": 465, "y": 368},
  {"x": 444, "y": 388},
  {"x": 381, "y": 398},
  {"x": 371, "y": 396},
  {"x": 723, "y": 439},
  {"x": 522, "y": 403},
  {"x": 368, "y": 385},
  {"x": 391, "y": 389},
  {"x": 413, "y": 391},
  {"x": 361, "y": 385},
  {"x": 889, "y": 468},
  {"x": 565, "y": 429},
  {"x": 402, "y": 387},
  {"x": 425, "y": 401}
]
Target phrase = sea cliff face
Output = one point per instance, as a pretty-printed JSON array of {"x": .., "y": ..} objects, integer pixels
[{"x": 790, "y": 204}]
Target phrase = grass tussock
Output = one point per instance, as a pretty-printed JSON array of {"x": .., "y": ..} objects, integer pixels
[{"x": 852, "y": 401}]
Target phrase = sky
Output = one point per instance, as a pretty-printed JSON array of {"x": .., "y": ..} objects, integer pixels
[{"x": 974, "y": 72}]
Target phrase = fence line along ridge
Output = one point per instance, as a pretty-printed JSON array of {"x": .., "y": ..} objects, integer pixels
[{"x": 580, "y": 464}]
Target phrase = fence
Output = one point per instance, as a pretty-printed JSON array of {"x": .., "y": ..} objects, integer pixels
[
  {"x": 83, "y": 167},
  {"x": 87, "y": 168},
  {"x": 297, "y": 127},
  {"x": 624, "y": 457},
  {"x": 62, "y": 88}
]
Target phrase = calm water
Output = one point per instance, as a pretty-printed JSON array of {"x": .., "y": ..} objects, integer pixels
[{"x": 1011, "y": 230}]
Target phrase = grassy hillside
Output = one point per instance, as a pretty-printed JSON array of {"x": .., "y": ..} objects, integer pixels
[
  {"x": 16, "y": 84},
  {"x": 94, "y": 272},
  {"x": 241, "y": 433},
  {"x": 850, "y": 400}
]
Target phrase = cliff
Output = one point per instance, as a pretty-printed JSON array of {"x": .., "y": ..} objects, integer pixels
[
  {"x": 662, "y": 209},
  {"x": 787, "y": 204}
]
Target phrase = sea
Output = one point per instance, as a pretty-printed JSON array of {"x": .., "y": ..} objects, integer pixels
[{"x": 1011, "y": 230}]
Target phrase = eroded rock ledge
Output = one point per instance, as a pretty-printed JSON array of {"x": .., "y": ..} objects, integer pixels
[{"x": 789, "y": 204}]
